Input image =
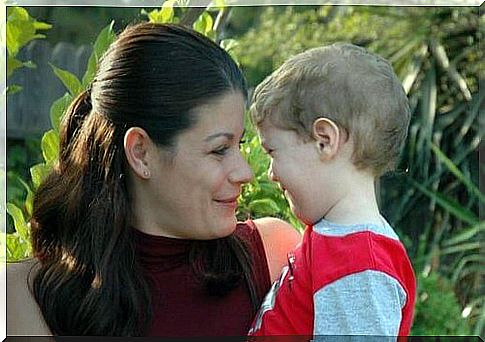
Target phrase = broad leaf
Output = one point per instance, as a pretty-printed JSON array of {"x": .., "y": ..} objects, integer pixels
[
  {"x": 19, "y": 221},
  {"x": 104, "y": 39},
  {"x": 69, "y": 80},
  {"x": 58, "y": 109},
  {"x": 50, "y": 146},
  {"x": 204, "y": 24},
  {"x": 38, "y": 173}
]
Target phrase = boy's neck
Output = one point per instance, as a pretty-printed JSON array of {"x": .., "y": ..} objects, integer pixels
[{"x": 357, "y": 203}]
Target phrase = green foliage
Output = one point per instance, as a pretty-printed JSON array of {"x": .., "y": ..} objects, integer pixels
[
  {"x": 21, "y": 29},
  {"x": 164, "y": 14},
  {"x": 261, "y": 197},
  {"x": 204, "y": 24},
  {"x": 435, "y": 304},
  {"x": 104, "y": 39},
  {"x": 18, "y": 243},
  {"x": 69, "y": 80},
  {"x": 57, "y": 109}
]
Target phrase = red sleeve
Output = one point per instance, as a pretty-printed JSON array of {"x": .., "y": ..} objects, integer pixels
[{"x": 288, "y": 307}]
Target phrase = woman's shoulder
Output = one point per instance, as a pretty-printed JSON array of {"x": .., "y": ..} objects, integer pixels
[
  {"x": 21, "y": 270},
  {"x": 23, "y": 312},
  {"x": 277, "y": 236}
]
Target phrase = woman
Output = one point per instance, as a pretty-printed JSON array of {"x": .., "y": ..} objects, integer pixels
[{"x": 135, "y": 228}]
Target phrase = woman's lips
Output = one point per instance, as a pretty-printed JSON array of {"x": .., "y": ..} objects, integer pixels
[{"x": 228, "y": 203}]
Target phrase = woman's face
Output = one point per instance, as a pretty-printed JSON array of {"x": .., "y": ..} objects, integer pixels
[{"x": 195, "y": 193}]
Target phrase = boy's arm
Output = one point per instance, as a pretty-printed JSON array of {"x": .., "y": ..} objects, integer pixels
[{"x": 364, "y": 303}]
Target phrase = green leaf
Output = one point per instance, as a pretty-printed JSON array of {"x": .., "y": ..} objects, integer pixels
[
  {"x": 439, "y": 53},
  {"x": 164, "y": 15},
  {"x": 217, "y": 4},
  {"x": 69, "y": 80},
  {"x": 448, "y": 204},
  {"x": 19, "y": 221},
  {"x": 464, "y": 247},
  {"x": 264, "y": 207},
  {"x": 167, "y": 11},
  {"x": 42, "y": 26},
  {"x": 58, "y": 109},
  {"x": 17, "y": 247},
  {"x": 13, "y": 88},
  {"x": 21, "y": 29},
  {"x": 414, "y": 68},
  {"x": 50, "y": 146},
  {"x": 457, "y": 173},
  {"x": 38, "y": 173},
  {"x": 12, "y": 65},
  {"x": 204, "y": 24},
  {"x": 228, "y": 44},
  {"x": 103, "y": 41},
  {"x": 466, "y": 235},
  {"x": 29, "y": 201}
]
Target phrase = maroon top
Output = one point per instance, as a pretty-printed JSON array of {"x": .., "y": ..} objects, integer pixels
[{"x": 180, "y": 304}]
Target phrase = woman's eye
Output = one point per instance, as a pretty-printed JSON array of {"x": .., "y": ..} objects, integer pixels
[{"x": 221, "y": 151}]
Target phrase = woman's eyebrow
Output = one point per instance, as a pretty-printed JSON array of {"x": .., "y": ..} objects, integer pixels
[{"x": 229, "y": 136}]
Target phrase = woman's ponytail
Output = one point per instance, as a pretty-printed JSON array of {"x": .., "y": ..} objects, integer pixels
[{"x": 72, "y": 120}]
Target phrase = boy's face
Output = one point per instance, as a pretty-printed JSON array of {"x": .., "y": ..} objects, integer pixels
[{"x": 296, "y": 166}]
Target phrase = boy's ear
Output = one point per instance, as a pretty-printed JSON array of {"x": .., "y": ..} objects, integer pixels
[
  {"x": 136, "y": 144},
  {"x": 327, "y": 136}
]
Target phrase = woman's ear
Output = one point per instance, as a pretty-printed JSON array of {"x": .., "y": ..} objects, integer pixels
[
  {"x": 327, "y": 136},
  {"x": 137, "y": 144}
]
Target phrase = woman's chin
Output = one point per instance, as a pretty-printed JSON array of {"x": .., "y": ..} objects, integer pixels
[{"x": 226, "y": 227}]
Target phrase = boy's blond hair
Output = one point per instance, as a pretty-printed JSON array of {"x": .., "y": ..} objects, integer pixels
[{"x": 357, "y": 90}]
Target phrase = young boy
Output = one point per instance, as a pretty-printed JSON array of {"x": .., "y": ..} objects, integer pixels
[{"x": 333, "y": 119}]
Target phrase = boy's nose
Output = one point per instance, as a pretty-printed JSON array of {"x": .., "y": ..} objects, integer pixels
[{"x": 271, "y": 174}]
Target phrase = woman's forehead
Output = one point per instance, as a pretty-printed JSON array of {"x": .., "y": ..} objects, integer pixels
[{"x": 219, "y": 117}]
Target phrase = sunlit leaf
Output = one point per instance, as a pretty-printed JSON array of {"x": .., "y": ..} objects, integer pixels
[
  {"x": 70, "y": 81},
  {"x": 50, "y": 146},
  {"x": 19, "y": 220},
  {"x": 104, "y": 39},
  {"x": 38, "y": 173}
]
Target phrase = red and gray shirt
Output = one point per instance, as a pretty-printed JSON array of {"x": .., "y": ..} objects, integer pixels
[{"x": 342, "y": 280}]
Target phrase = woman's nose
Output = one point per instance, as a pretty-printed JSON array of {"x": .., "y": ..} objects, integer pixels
[{"x": 242, "y": 172}]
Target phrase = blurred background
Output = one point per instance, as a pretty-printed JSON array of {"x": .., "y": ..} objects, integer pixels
[{"x": 434, "y": 198}]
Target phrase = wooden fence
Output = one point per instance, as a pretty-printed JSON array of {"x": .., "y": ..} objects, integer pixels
[{"x": 28, "y": 110}]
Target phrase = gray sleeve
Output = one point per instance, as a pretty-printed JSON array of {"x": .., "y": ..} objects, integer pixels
[{"x": 364, "y": 303}]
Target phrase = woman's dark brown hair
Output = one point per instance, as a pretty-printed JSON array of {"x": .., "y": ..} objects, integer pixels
[{"x": 89, "y": 282}]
